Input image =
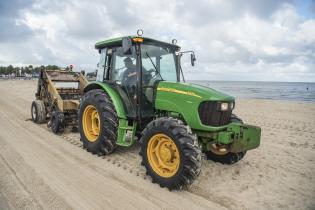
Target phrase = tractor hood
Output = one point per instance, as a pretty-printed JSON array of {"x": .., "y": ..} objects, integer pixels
[
  {"x": 185, "y": 99},
  {"x": 193, "y": 90}
]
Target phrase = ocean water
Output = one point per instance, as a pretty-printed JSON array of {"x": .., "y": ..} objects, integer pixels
[{"x": 290, "y": 91}]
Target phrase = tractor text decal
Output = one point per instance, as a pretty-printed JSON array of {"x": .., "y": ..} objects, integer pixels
[{"x": 172, "y": 90}]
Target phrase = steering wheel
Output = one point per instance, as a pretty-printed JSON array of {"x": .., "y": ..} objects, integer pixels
[{"x": 152, "y": 71}]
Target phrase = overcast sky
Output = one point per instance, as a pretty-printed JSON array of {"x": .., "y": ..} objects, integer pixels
[{"x": 267, "y": 40}]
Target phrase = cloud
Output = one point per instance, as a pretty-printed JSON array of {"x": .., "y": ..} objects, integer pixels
[
  {"x": 233, "y": 40},
  {"x": 11, "y": 28}
]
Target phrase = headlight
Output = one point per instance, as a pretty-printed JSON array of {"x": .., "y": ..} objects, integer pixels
[{"x": 224, "y": 106}]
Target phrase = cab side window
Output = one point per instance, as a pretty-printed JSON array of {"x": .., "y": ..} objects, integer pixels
[{"x": 101, "y": 68}]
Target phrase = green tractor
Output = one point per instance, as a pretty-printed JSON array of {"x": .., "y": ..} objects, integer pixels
[{"x": 140, "y": 96}]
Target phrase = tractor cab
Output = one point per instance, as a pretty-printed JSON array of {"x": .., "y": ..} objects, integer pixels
[{"x": 134, "y": 66}]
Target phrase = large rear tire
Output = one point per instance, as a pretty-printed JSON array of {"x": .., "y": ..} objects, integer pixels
[
  {"x": 170, "y": 153},
  {"x": 98, "y": 122},
  {"x": 220, "y": 153},
  {"x": 38, "y": 111}
]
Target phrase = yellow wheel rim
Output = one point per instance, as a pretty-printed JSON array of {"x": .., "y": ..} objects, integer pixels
[
  {"x": 91, "y": 123},
  {"x": 163, "y": 155}
]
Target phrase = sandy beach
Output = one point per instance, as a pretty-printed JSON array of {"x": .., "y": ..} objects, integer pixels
[{"x": 41, "y": 170}]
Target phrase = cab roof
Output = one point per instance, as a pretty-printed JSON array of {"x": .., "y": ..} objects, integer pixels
[{"x": 118, "y": 42}]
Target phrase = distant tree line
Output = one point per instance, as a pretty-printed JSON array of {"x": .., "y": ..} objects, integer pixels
[
  {"x": 91, "y": 74},
  {"x": 30, "y": 70},
  {"x": 23, "y": 70}
]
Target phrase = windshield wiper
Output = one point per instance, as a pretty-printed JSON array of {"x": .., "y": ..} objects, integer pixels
[{"x": 154, "y": 65}]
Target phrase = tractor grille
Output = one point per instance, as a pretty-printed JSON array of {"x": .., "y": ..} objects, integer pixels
[{"x": 210, "y": 114}]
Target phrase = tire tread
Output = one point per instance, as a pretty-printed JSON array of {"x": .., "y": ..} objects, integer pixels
[
  {"x": 107, "y": 143},
  {"x": 191, "y": 154}
]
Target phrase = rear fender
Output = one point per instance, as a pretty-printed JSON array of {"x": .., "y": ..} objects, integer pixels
[
  {"x": 126, "y": 132},
  {"x": 112, "y": 94}
]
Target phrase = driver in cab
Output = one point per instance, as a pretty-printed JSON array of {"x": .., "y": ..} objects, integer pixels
[
  {"x": 130, "y": 74},
  {"x": 129, "y": 78}
]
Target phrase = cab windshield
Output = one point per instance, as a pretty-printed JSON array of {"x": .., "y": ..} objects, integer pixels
[{"x": 159, "y": 62}]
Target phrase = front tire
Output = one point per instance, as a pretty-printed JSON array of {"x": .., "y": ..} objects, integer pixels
[
  {"x": 98, "y": 122},
  {"x": 220, "y": 153},
  {"x": 170, "y": 153}
]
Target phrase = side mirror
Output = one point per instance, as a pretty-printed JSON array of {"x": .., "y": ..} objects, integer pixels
[
  {"x": 126, "y": 44},
  {"x": 192, "y": 59}
]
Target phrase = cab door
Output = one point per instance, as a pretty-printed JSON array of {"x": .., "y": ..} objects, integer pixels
[{"x": 123, "y": 76}]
